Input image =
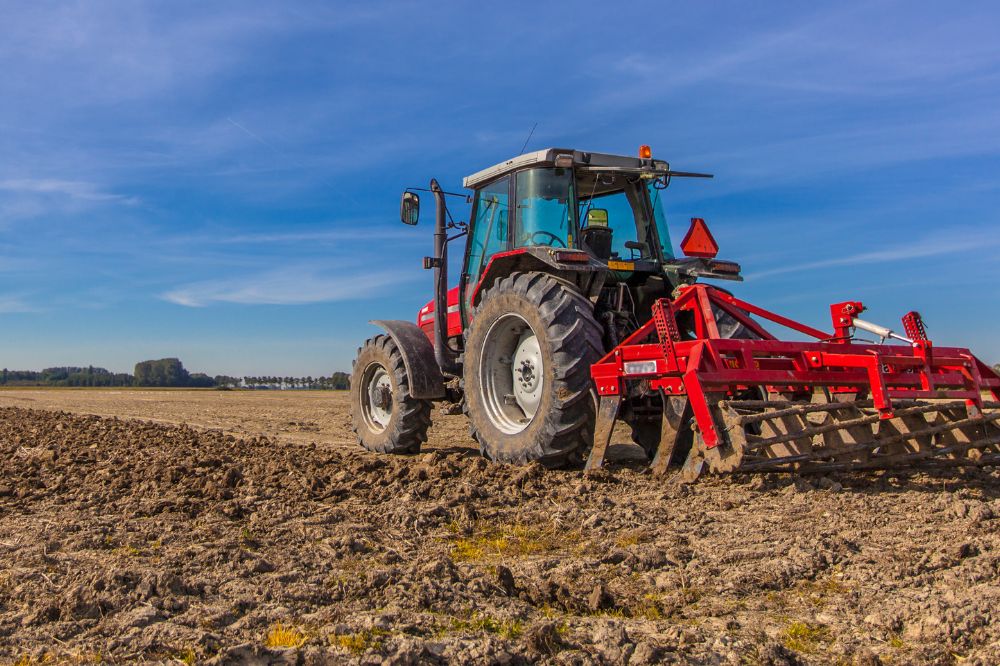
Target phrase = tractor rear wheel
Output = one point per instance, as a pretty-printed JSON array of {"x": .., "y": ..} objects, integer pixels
[
  {"x": 385, "y": 417},
  {"x": 526, "y": 370}
]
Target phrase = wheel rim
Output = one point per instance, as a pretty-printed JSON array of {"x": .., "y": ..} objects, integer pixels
[
  {"x": 376, "y": 397},
  {"x": 511, "y": 376}
]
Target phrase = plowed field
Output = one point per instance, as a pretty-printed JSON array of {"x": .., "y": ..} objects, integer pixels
[{"x": 261, "y": 533}]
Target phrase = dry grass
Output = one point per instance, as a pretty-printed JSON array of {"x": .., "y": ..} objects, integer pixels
[
  {"x": 360, "y": 642},
  {"x": 284, "y": 636},
  {"x": 632, "y": 538},
  {"x": 481, "y": 623},
  {"x": 70, "y": 658},
  {"x": 819, "y": 592},
  {"x": 649, "y": 608},
  {"x": 127, "y": 550},
  {"x": 805, "y": 638},
  {"x": 492, "y": 541}
]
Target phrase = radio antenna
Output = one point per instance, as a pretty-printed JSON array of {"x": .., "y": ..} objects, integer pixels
[{"x": 528, "y": 139}]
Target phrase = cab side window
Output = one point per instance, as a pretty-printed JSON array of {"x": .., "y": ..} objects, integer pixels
[{"x": 489, "y": 227}]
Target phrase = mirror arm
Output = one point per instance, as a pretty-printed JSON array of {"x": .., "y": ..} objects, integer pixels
[
  {"x": 467, "y": 197},
  {"x": 444, "y": 357}
]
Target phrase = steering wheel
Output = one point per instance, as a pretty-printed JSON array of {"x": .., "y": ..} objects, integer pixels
[{"x": 555, "y": 238}]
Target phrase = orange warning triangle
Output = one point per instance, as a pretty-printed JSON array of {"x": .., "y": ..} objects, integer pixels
[{"x": 699, "y": 241}]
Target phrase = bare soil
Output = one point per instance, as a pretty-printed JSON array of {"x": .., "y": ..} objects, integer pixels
[{"x": 265, "y": 535}]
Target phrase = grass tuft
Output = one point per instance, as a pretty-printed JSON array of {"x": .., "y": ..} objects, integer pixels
[
  {"x": 496, "y": 541},
  {"x": 819, "y": 592},
  {"x": 27, "y": 660},
  {"x": 360, "y": 642},
  {"x": 805, "y": 638},
  {"x": 650, "y": 608},
  {"x": 284, "y": 636},
  {"x": 72, "y": 658},
  {"x": 631, "y": 538},
  {"x": 509, "y": 629}
]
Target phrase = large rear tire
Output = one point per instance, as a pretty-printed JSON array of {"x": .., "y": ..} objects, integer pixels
[
  {"x": 385, "y": 417},
  {"x": 526, "y": 370}
]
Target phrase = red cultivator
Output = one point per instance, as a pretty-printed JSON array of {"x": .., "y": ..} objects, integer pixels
[{"x": 761, "y": 404}]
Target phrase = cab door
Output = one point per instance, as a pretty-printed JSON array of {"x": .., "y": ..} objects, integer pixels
[{"x": 490, "y": 233}]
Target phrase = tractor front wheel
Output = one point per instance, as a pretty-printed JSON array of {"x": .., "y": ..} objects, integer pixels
[
  {"x": 385, "y": 417},
  {"x": 526, "y": 370}
]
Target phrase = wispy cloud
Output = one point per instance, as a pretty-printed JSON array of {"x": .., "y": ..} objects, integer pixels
[
  {"x": 283, "y": 287},
  {"x": 73, "y": 189},
  {"x": 336, "y": 236},
  {"x": 922, "y": 249},
  {"x": 13, "y": 304}
]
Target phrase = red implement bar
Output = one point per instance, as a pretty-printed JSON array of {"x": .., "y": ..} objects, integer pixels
[{"x": 710, "y": 365}]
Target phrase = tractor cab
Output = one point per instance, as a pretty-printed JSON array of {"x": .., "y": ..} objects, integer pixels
[
  {"x": 608, "y": 206},
  {"x": 592, "y": 219}
]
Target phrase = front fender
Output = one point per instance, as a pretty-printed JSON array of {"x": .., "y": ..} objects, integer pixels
[{"x": 426, "y": 380}]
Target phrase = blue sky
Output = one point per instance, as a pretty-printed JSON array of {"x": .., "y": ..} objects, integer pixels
[{"x": 220, "y": 181}]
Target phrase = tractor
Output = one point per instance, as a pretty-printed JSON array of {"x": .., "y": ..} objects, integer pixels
[{"x": 572, "y": 312}]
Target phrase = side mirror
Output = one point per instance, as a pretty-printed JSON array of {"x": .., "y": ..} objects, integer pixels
[{"x": 409, "y": 208}]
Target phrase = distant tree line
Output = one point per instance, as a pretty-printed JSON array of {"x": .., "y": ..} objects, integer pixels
[
  {"x": 166, "y": 373},
  {"x": 68, "y": 376},
  {"x": 338, "y": 381}
]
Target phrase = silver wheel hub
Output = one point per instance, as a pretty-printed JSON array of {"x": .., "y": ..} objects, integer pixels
[
  {"x": 376, "y": 397},
  {"x": 527, "y": 369},
  {"x": 511, "y": 374}
]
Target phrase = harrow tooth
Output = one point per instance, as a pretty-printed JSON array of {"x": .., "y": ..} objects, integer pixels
[{"x": 817, "y": 436}]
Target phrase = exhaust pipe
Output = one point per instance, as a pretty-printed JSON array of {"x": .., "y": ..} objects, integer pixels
[{"x": 444, "y": 357}]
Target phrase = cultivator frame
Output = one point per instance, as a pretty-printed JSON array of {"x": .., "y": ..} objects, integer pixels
[{"x": 765, "y": 404}]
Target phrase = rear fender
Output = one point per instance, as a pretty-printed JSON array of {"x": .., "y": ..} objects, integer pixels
[{"x": 426, "y": 380}]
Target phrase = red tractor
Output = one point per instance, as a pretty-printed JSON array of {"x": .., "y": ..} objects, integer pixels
[{"x": 572, "y": 311}]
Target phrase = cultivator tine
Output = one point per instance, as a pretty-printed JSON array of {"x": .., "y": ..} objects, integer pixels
[
  {"x": 818, "y": 436},
  {"x": 607, "y": 412},
  {"x": 695, "y": 463},
  {"x": 676, "y": 435}
]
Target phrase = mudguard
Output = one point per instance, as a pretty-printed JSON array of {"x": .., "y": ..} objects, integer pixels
[
  {"x": 426, "y": 380},
  {"x": 573, "y": 266}
]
